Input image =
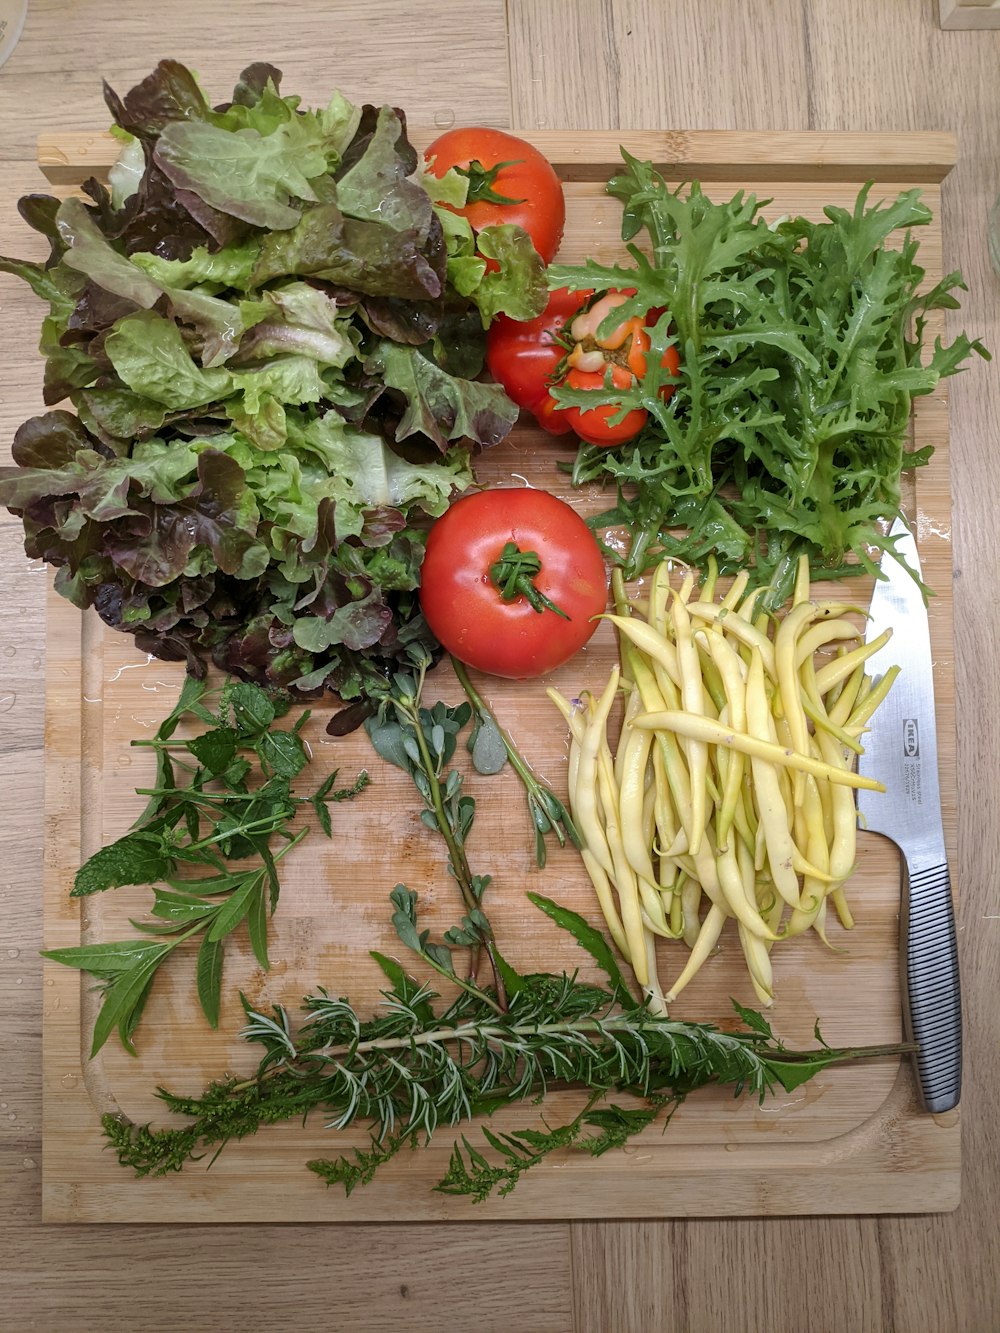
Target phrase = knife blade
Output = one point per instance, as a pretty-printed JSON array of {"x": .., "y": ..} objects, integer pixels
[{"x": 901, "y": 751}]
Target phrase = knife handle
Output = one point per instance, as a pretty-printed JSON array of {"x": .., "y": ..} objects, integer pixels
[{"x": 932, "y": 1007}]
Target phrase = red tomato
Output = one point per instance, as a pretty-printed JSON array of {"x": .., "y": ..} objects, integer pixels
[
  {"x": 509, "y": 181},
  {"x": 562, "y": 346},
  {"x": 488, "y": 558},
  {"x": 523, "y": 356}
]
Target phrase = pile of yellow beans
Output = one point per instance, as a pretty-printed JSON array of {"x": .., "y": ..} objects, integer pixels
[{"x": 729, "y": 793}]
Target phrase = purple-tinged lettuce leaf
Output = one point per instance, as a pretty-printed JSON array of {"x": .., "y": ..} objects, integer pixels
[
  {"x": 126, "y": 172},
  {"x": 362, "y": 256},
  {"x": 303, "y": 320},
  {"x": 170, "y": 94},
  {"x": 378, "y": 188},
  {"x": 439, "y": 405},
  {"x": 516, "y": 288},
  {"x": 252, "y": 176},
  {"x": 39, "y": 212},
  {"x": 252, "y": 82},
  {"x": 218, "y": 514},
  {"x": 48, "y": 441},
  {"x": 231, "y": 266},
  {"x": 117, "y": 416},
  {"x": 357, "y": 625},
  {"x": 149, "y": 355},
  {"x": 89, "y": 252}
]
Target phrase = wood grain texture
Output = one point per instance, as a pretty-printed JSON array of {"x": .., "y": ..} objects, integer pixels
[
  {"x": 851, "y": 1139},
  {"x": 879, "y": 65},
  {"x": 845, "y": 65}
]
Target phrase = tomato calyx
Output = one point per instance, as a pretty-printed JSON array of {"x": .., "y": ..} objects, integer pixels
[
  {"x": 482, "y": 180},
  {"x": 514, "y": 574}
]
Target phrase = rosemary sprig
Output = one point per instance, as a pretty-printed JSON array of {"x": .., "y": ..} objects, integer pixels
[
  {"x": 416, "y": 1067},
  {"x": 217, "y": 821}
]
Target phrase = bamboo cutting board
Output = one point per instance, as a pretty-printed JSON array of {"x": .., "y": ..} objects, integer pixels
[{"x": 852, "y": 1140}]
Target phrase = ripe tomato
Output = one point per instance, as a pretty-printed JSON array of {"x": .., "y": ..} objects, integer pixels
[
  {"x": 509, "y": 181},
  {"x": 623, "y": 352},
  {"x": 523, "y": 356},
  {"x": 493, "y": 554},
  {"x": 562, "y": 346}
]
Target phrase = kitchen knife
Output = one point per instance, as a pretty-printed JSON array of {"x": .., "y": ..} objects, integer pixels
[{"x": 901, "y": 751}]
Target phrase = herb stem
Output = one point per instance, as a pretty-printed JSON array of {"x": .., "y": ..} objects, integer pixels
[
  {"x": 456, "y": 853},
  {"x": 547, "y": 811}
]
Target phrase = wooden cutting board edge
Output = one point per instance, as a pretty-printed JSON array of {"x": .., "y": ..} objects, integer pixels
[{"x": 898, "y": 1160}]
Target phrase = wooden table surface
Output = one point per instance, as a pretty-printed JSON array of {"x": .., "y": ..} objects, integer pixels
[{"x": 677, "y": 64}]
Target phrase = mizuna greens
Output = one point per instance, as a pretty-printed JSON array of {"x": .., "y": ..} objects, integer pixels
[
  {"x": 801, "y": 344},
  {"x": 270, "y": 328}
]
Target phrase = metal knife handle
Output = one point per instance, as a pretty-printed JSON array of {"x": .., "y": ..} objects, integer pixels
[{"x": 932, "y": 1005}]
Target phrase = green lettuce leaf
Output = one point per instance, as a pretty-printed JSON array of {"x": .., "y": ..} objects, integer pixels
[
  {"x": 247, "y": 174},
  {"x": 149, "y": 355}
]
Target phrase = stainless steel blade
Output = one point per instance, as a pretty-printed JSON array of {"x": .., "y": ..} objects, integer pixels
[{"x": 901, "y": 751}]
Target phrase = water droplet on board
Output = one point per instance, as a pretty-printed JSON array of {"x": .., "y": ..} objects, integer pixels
[
  {"x": 124, "y": 760},
  {"x": 36, "y": 663},
  {"x": 3, "y": 1106},
  {"x": 10, "y": 651},
  {"x": 12, "y": 1116},
  {"x": 69, "y": 1080},
  {"x": 732, "y": 1147},
  {"x": 29, "y": 1162},
  {"x": 444, "y": 119},
  {"x": 7, "y": 702},
  {"x": 19, "y": 981},
  {"x": 13, "y": 953}
]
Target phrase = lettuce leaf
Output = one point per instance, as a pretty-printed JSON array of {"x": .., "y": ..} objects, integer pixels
[{"x": 266, "y": 301}]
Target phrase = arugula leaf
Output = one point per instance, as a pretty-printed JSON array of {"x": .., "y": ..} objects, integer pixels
[{"x": 786, "y": 429}]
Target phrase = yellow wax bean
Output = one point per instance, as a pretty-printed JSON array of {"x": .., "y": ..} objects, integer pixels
[
  {"x": 708, "y": 938},
  {"x": 841, "y": 667},
  {"x": 732, "y": 622},
  {"x": 714, "y": 733}
]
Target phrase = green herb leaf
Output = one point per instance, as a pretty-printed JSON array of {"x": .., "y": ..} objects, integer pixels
[
  {"x": 137, "y": 858},
  {"x": 486, "y": 745},
  {"x": 124, "y": 996},
  {"x": 209, "y": 978},
  {"x": 236, "y": 906},
  {"x": 282, "y": 752},
  {"x": 257, "y": 925},
  {"x": 589, "y": 939},
  {"x": 216, "y": 749}
]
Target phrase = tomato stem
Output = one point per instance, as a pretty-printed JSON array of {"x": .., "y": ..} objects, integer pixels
[
  {"x": 513, "y": 576},
  {"x": 482, "y": 180}
]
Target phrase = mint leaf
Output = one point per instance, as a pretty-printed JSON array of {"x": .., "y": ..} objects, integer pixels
[{"x": 137, "y": 858}]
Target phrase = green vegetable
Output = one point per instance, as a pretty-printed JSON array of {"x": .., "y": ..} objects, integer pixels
[
  {"x": 274, "y": 367},
  {"x": 419, "y": 1066},
  {"x": 228, "y": 810},
  {"x": 801, "y": 348}
]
